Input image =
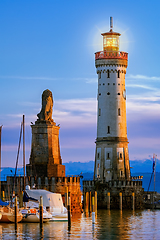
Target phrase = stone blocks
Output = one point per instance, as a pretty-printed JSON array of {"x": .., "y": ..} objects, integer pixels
[{"x": 45, "y": 158}]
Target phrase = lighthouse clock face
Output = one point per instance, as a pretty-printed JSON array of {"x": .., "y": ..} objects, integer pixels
[{"x": 124, "y": 94}]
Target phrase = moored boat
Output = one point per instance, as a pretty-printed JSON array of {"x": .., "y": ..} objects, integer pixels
[
  {"x": 32, "y": 215},
  {"x": 52, "y": 203},
  {"x": 61, "y": 217},
  {"x": 8, "y": 215}
]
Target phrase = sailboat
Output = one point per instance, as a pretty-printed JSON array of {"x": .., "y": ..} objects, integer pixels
[
  {"x": 7, "y": 214},
  {"x": 152, "y": 196}
]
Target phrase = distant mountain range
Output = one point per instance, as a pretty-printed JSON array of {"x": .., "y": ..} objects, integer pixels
[
  {"x": 75, "y": 168},
  {"x": 144, "y": 165},
  {"x": 86, "y": 169}
]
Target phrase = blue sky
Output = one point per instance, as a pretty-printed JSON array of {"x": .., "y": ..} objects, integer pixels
[{"x": 50, "y": 45}]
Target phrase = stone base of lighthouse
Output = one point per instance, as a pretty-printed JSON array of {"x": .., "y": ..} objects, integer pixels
[
  {"x": 45, "y": 159},
  {"x": 114, "y": 188},
  {"x": 112, "y": 159}
]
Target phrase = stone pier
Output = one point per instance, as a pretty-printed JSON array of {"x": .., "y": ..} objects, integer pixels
[{"x": 114, "y": 187}]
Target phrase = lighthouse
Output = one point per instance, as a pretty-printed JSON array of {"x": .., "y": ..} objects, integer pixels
[{"x": 111, "y": 156}]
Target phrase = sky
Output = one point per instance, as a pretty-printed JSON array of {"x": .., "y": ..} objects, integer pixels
[{"x": 50, "y": 45}]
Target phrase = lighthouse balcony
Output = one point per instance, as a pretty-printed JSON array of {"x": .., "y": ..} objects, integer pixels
[{"x": 111, "y": 55}]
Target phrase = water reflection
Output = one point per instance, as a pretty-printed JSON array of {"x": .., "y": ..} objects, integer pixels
[{"x": 109, "y": 224}]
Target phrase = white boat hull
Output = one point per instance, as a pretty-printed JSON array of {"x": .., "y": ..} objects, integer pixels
[
  {"x": 30, "y": 218},
  {"x": 33, "y": 216},
  {"x": 62, "y": 217}
]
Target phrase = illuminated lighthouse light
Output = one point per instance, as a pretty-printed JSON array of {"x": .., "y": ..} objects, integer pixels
[{"x": 111, "y": 42}]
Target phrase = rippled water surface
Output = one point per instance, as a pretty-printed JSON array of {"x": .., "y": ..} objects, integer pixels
[{"x": 112, "y": 224}]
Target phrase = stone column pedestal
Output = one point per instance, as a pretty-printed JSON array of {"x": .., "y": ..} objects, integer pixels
[{"x": 45, "y": 158}]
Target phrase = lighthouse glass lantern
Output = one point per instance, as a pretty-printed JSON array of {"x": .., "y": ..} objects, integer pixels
[{"x": 111, "y": 41}]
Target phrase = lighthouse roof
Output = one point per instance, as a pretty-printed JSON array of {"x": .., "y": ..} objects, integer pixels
[{"x": 111, "y": 33}]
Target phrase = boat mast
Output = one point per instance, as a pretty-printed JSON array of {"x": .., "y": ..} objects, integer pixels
[
  {"x": 17, "y": 160},
  {"x": 0, "y": 159},
  {"x": 24, "y": 151},
  {"x": 154, "y": 156}
]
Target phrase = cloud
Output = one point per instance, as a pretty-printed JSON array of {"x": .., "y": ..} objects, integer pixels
[
  {"x": 149, "y": 110},
  {"x": 68, "y": 112},
  {"x": 143, "y": 104},
  {"x": 87, "y": 80},
  {"x": 82, "y": 112},
  {"x": 29, "y": 78},
  {"x": 14, "y": 147},
  {"x": 87, "y": 105},
  {"x": 144, "y": 97},
  {"x": 141, "y": 86},
  {"x": 70, "y": 120},
  {"x": 142, "y": 77},
  {"x": 91, "y": 80},
  {"x": 143, "y": 147},
  {"x": 145, "y": 142},
  {"x": 75, "y": 112},
  {"x": 14, "y": 120},
  {"x": 29, "y": 104},
  {"x": 78, "y": 143}
]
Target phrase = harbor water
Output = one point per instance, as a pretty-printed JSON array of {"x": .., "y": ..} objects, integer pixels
[{"x": 109, "y": 224}]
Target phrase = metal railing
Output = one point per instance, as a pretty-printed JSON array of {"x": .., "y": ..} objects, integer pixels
[{"x": 111, "y": 55}]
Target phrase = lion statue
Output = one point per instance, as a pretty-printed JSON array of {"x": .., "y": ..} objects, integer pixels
[{"x": 47, "y": 107}]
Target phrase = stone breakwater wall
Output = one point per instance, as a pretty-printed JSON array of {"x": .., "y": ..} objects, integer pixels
[
  {"x": 54, "y": 184},
  {"x": 116, "y": 187}
]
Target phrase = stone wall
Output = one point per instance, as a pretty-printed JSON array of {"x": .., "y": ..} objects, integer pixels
[
  {"x": 115, "y": 188},
  {"x": 53, "y": 184},
  {"x": 45, "y": 159}
]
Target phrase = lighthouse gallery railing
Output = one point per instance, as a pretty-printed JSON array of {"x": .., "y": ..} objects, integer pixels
[{"x": 110, "y": 55}]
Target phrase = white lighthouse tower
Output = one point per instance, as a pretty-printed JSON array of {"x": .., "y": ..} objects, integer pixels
[{"x": 111, "y": 158}]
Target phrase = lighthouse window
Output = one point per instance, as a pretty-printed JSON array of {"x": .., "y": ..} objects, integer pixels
[
  {"x": 118, "y": 74},
  {"x": 107, "y": 155},
  {"x": 99, "y": 94},
  {"x": 103, "y": 83},
  {"x": 99, "y": 113},
  {"x": 120, "y": 156},
  {"x": 118, "y": 93},
  {"x": 113, "y": 83},
  {"x": 118, "y": 83},
  {"x": 108, "y": 83},
  {"x": 98, "y": 158},
  {"x": 108, "y": 93},
  {"x": 108, "y": 129},
  {"x": 99, "y": 75},
  {"x": 119, "y": 112},
  {"x": 108, "y": 74}
]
